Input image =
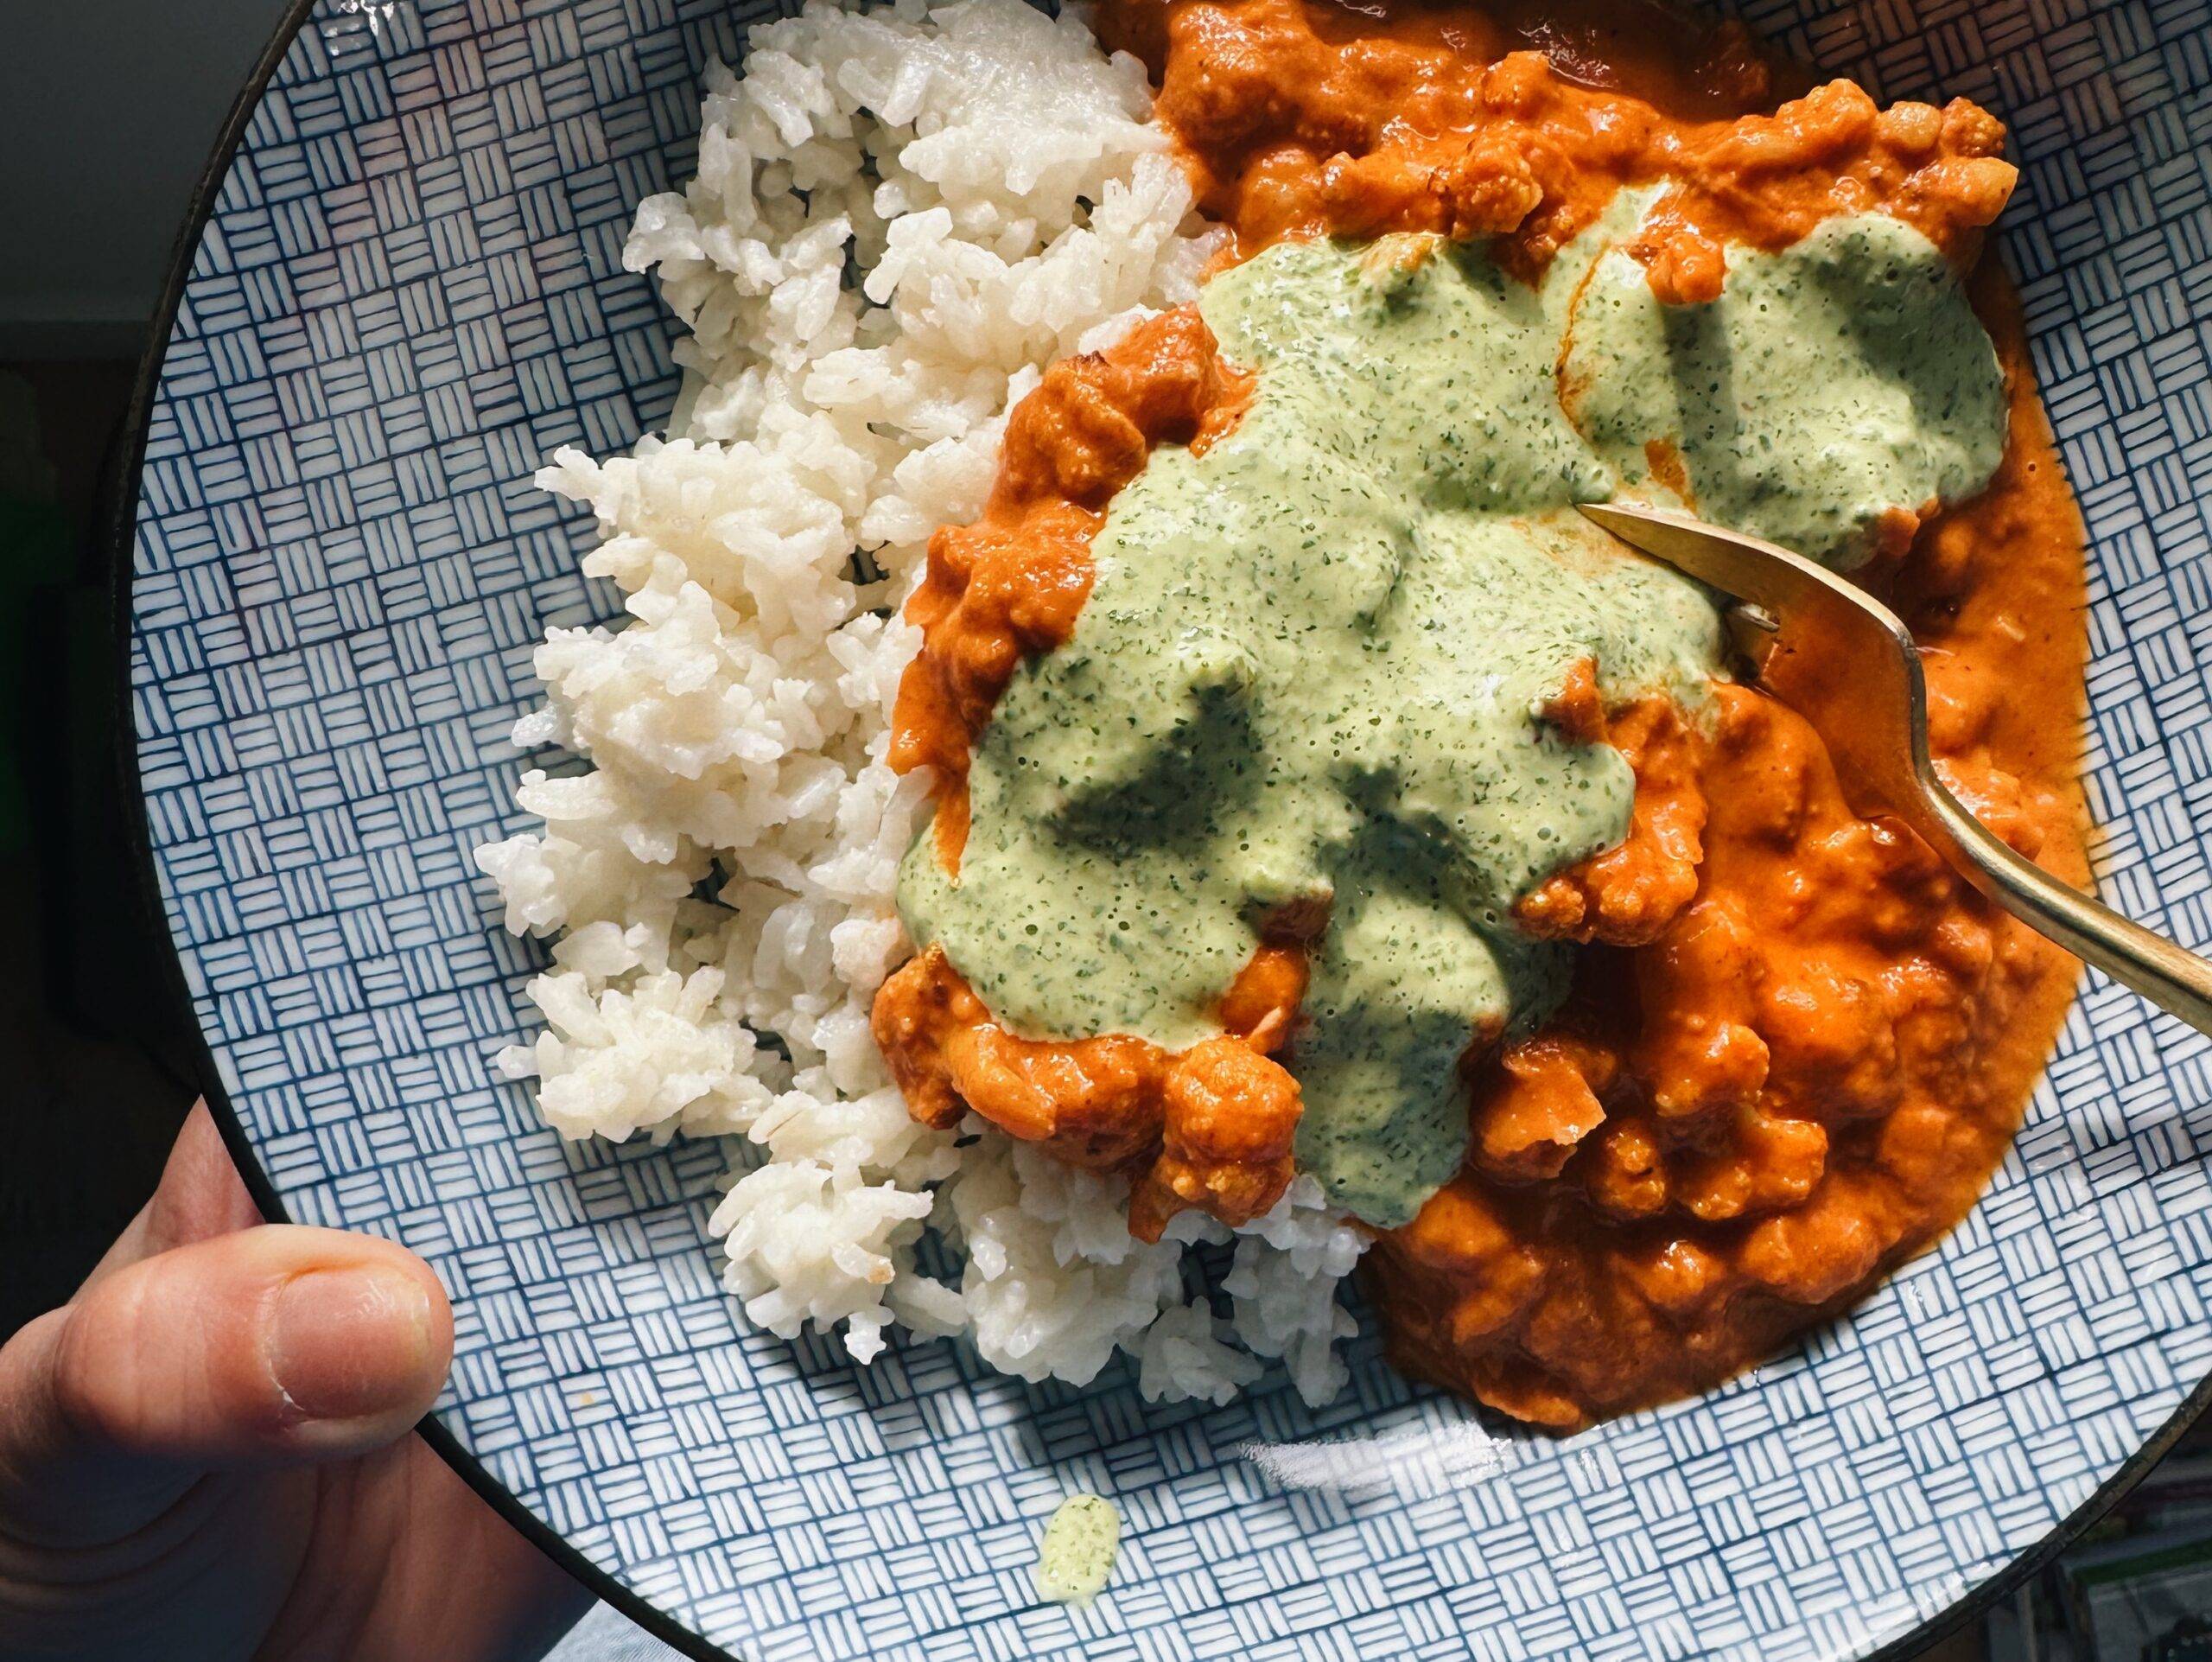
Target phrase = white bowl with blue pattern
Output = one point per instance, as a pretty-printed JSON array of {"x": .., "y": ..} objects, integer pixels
[{"x": 403, "y": 289}]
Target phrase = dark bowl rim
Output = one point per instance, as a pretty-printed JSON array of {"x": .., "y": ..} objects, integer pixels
[{"x": 137, "y": 831}]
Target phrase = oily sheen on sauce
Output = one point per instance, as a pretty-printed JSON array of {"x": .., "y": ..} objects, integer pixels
[{"x": 1293, "y": 733}]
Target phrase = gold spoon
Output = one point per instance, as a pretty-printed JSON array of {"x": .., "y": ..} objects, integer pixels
[{"x": 1874, "y": 719}]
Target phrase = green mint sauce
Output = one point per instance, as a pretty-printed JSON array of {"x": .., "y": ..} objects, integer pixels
[
  {"x": 1312, "y": 661},
  {"x": 1075, "y": 1558}
]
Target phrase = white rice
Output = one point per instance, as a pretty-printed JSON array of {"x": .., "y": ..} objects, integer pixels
[{"x": 900, "y": 216}]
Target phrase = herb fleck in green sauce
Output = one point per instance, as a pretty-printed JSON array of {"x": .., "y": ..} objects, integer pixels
[{"x": 1312, "y": 659}]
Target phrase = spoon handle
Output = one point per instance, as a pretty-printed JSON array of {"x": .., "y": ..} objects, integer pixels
[{"x": 2174, "y": 978}]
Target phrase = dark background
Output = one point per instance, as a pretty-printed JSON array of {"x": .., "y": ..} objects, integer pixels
[
  {"x": 96, "y": 1074},
  {"x": 108, "y": 111}
]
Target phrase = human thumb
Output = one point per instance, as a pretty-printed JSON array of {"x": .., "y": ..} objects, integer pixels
[{"x": 269, "y": 1345}]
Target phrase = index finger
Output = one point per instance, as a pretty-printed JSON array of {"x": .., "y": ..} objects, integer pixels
[{"x": 200, "y": 1196}]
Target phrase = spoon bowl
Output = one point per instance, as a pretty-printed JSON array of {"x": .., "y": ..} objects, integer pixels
[{"x": 1851, "y": 668}]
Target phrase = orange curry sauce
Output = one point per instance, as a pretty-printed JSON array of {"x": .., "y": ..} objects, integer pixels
[{"x": 1796, "y": 1045}]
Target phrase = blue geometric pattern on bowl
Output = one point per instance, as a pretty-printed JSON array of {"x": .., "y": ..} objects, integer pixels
[{"x": 409, "y": 292}]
